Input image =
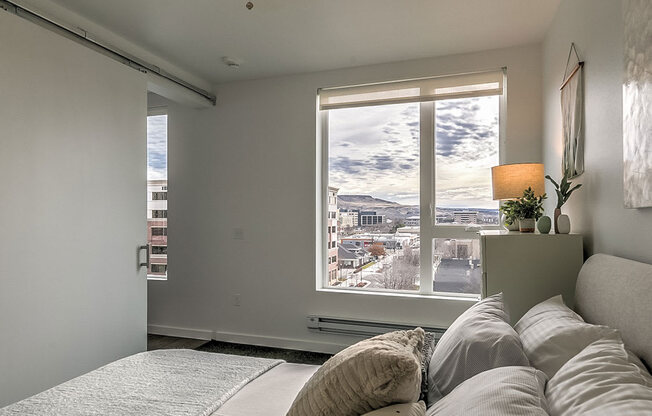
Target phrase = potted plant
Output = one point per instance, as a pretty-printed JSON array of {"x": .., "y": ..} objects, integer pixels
[
  {"x": 528, "y": 209},
  {"x": 564, "y": 191},
  {"x": 510, "y": 214}
]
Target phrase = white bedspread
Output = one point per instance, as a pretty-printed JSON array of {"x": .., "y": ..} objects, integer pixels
[
  {"x": 271, "y": 394},
  {"x": 163, "y": 382}
]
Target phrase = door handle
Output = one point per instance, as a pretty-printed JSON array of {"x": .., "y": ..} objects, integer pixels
[{"x": 146, "y": 263}]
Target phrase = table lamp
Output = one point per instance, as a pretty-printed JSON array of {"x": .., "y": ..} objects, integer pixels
[{"x": 509, "y": 181}]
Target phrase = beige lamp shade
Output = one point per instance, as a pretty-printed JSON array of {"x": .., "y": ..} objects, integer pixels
[{"x": 509, "y": 181}]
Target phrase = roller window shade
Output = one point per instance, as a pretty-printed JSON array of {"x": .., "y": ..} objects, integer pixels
[{"x": 416, "y": 90}]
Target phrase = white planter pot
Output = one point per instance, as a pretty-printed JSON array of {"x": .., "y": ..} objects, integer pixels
[
  {"x": 511, "y": 227},
  {"x": 526, "y": 225},
  {"x": 563, "y": 224}
]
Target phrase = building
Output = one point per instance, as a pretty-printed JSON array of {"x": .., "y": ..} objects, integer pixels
[
  {"x": 331, "y": 224},
  {"x": 466, "y": 217},
  {"x": 389, "y": 241},
  {"x": 349, "y": 218},
  {"x": 350, "y": 257},
  {"x": 413, "y": 221},
  {"x": 450, "y": 248},
  {"x": 370, "y": 218},
  {"x": 157, "y": 227},
  {"x": 407, "y": 236}
]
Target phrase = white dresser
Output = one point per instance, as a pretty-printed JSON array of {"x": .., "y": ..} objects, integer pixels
[{"x": 529, "y": 268}]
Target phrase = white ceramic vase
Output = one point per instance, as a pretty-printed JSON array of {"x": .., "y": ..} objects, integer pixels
[
  {"x": 563, "y": 224},
  {"x": 511, "y": 227}
]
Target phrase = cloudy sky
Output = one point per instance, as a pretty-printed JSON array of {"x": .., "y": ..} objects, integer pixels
[
  {"x": 375, "y": 151},
  {"x": 157, "y": 146}
]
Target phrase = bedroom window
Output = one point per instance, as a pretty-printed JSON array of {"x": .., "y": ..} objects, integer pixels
[
  {"x": 407, "y": 182},
  {"x": 157, "y": 191}
]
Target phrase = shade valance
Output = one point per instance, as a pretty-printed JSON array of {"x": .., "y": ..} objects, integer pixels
[{"x": 476, "y": 84}]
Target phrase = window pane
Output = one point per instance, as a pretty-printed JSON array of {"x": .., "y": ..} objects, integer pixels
[
  {"x": 373, "y": 191},
  {"x": 456, "y": 263},
  {"x": 157, "y": 185},
  {"x": 466, "y": 147},
  {"x": 158, "y": 250}
]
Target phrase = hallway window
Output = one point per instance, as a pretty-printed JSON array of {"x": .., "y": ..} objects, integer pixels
[{"x": 157, "y": 187}]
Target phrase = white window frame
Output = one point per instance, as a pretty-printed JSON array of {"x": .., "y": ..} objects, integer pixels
[{"x": 427, "y": 205}]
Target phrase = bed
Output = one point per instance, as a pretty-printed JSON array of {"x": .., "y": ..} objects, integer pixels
[{"x": 610, "y": 291}]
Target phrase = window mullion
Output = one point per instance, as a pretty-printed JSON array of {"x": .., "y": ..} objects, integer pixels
[
  {"x": 322, "y": 249},
  {"x": 427, "y": 195}
]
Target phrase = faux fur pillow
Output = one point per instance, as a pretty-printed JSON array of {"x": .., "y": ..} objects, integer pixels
[
  {"x": 403, "y": 409},
  {"x": 371, "y": 374}
]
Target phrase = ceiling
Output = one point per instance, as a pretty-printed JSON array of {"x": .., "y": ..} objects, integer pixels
[{"x": 280, "y": 37}]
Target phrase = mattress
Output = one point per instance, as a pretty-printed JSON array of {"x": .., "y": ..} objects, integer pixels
[{"x": 271, "y": 394}]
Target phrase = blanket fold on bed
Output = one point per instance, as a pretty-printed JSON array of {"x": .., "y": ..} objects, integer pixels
[{"x": 162, "y": 382}]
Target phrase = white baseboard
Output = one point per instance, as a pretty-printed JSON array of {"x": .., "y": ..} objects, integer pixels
[
  {"x": 277, "y": 342},
  {"x": 260, "y": 340},
  {"x": 172, "y": 331}
]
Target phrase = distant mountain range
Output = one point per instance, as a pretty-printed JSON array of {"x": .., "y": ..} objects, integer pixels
[{"x": 391, "y": 210}]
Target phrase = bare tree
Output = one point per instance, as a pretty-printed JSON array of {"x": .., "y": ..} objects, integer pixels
[{"x": 403, "y": 272}]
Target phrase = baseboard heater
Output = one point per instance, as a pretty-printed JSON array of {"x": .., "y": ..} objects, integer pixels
[{"x": 361, "y": 328}]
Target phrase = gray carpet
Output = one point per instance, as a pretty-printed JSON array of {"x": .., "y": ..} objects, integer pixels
[{"x": 291, "y": 356}]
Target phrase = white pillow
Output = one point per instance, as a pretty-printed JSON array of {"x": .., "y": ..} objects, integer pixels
[
  {"x": 603, "y": 379},
  {"x": 405, "y": 409},
  {"x": 371, "y": 374},
  {"x": 504, "y": 391},
  {"x": 479, "y": 340},
  {"x": 552, "y": 334}
]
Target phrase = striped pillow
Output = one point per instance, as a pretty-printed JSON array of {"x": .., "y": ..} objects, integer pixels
[
  {"x": 479, "y": 340},
  {"x": 503, "y": 391},
  {"x": 552, "y": 334},
  {"x": 603, "y": 379}
]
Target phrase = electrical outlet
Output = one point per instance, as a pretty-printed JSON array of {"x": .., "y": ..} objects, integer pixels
[
  {"x": 238, "y": 233},
  {"x": 236, "y": 299}
]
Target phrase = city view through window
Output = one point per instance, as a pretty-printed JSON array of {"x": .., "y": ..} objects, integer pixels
[
  {"x": 373, "y": 224},
  {"x": 157, "y": 195}
]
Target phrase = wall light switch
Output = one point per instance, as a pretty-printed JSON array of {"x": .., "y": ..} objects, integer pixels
[
  {"x": 238, "y": 233},
  {"x": 236, "y": 299}
]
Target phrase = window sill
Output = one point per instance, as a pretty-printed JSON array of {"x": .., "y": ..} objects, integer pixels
[{"x": 440, "y": 296}]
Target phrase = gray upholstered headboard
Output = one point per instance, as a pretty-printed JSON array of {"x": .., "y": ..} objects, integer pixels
[{"x": 617, "y": 292}]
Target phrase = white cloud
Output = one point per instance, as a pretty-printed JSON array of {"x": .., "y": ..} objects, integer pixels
[
  {"x": 375, "y": 151},
  {"x": 157, "y": 147}
]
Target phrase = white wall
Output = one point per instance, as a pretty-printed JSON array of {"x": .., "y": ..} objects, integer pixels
[
  {"x": 72, "y": 209},
  {"x": 250, "y": 163},
  {"x": 597, "y": 209}
]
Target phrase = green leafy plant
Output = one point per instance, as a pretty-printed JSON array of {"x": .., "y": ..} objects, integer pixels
[
  {"x": 563, "y": 189},
  {"x": 510, "y": 210},
  {"x": 527, "y": 206}
]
